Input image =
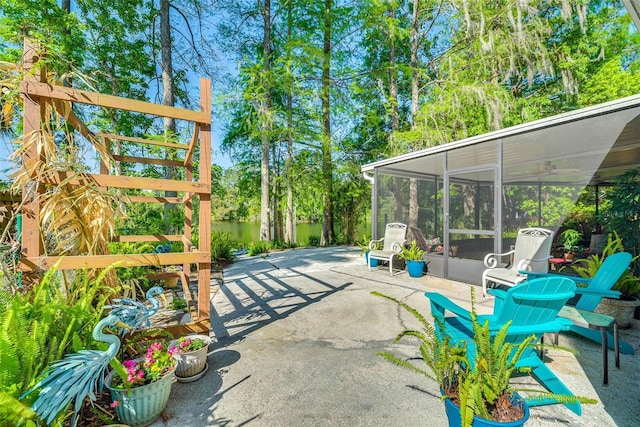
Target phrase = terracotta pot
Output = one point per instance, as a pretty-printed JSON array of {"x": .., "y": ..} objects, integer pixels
[{"x": 171, "y": 282}]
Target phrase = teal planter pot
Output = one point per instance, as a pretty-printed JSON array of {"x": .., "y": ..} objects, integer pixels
[
  {"x": 142, "y": 405},
  {"x": 453, "y": 415},
  {"x": 372, "y": 262},
  {"x": 415, "y": 268}
]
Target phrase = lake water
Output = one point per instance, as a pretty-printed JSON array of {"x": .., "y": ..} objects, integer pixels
[{"x": 246, "y": 232}]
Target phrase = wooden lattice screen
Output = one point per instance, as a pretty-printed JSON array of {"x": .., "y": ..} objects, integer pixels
[{"x": 36, "y": 92}]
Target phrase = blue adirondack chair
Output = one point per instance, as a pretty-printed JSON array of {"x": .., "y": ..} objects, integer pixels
[
  {"x": 597, "y": 288},
  {"x": 532, "y": 307}
]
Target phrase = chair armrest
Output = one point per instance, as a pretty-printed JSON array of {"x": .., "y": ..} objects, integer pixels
[
  {"x": 583, "y": 280},
  {"x": 440, "y": 303},
  {"x": 558, "y": 324},
  {"x": 397, "y": 246},
  {"x": 491, "y": 260},
  {"x": 576, "y": 279},
  {"x": 372, "y": 243},
  {"x": 535, "y": 275},
  {"x": 608, "y": 293},
  {"x": 541, "y": 297}
]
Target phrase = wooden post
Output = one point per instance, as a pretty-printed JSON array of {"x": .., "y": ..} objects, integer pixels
[
  {"x": 204, "y": 214},
  {"x": 188, "y": 218},
  {"x": 34, "y": 114}
]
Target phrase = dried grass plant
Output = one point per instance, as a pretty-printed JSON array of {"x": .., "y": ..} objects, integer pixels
[{"x": 77, "y": 217}]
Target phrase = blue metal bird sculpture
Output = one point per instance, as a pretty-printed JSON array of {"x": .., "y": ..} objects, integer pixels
[
  {"x": 76, "y": 376},
  {"x": 135, "y": 313},
  {"x": 163, "y": 249}
]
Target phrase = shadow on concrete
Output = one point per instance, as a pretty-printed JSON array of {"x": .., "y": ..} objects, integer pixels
[{"x": 255, "y": 300}]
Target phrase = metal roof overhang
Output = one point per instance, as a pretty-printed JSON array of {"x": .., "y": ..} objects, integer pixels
[
  {"x": 601, "y": 142},
  {"x": 633, "y": 7}
]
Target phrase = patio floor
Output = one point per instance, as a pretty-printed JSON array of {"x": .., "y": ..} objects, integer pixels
[{"x": 295, "y": 341}]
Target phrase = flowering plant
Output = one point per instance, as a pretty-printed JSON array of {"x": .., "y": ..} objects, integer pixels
[
  {"x": 157, "y": 362},
  {"x": 186, "y": 344},
  {"x": 434, "y": 244}
]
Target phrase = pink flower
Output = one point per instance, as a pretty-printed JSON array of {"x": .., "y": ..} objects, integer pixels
[
  {"x": 129, "y": 363},
  {"x": 114, "y": 404}
]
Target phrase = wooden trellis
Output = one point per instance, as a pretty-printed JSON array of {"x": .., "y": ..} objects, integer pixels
[{"x": 37, "y": 92}]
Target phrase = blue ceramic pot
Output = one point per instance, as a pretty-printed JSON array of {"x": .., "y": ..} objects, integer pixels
[
  {"x": 374, "y": 262},
  {"x": 415, "y": 268},
  {"x": 453, "y": 415}
]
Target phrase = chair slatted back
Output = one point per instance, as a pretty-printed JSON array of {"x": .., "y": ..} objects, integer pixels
[
  {"x": 535, "y": 301},
  {"x": 607, "y": 275},
  {"x": 394, "y": 232},
  {"x": 421, "y": 242},
  {"x": 532, "y": 243}
]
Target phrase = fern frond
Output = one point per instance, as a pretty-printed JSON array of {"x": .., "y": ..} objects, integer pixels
[
  {"x": 10, "y": 373},
  {"x": 14, "y": 412}
]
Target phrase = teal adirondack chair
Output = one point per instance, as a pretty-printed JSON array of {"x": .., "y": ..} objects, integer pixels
[
  {"x": 597, "y": 288},
  {"x": 532, "y": 307}
]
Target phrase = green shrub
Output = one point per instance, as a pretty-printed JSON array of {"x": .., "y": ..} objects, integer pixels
[
  {"x": 281, "y": 244},
  {"x": 628, "y": 284},
  {"x": 178, "y": 304},
  {"x": 314, "y": 241},
  {"x": 257, "y": 248},
  {"x": 222, "y": 244}
]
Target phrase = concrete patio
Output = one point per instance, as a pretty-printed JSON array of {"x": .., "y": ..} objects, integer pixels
[{"x": 295, "y": 341}]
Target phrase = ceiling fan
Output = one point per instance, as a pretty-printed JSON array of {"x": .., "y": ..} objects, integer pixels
[
  {"x": 543, "y": 169},
  {"x": 548, "y": 168}
]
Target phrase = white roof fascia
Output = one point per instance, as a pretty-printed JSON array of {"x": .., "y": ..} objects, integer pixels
[
  {"x": 633, "y": 7},
  {"x": 583, "y": 113}
]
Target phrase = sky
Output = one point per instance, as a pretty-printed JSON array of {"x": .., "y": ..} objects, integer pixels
[{"x": 5, "y": 150}]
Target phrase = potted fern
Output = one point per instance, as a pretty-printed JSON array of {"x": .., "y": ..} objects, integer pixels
[
  {"x": 475, "y": 394},
  {"x": 413, "y": 256}
]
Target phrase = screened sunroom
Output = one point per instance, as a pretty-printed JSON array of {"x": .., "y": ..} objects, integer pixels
[{"x": 475, "y": 194}]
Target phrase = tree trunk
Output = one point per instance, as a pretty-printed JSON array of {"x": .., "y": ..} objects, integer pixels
[
  {"x": 290, "y": 226},
  {"x": 415, "y": 73},
  {"x": 265, "y": 223},
  {"x": 168, "y": 97},
  {"x": 413, "y": 202},
  {"x": 393, "y": 84},
  {"x": 395, "y": 115},
  {"x": 276, "y": 215},
  {"x": 328, "y": 235},
  {"x": 415, "y": 87}
]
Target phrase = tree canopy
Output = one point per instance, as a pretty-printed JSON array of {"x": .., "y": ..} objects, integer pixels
[{"x": 306, "y": 92}]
